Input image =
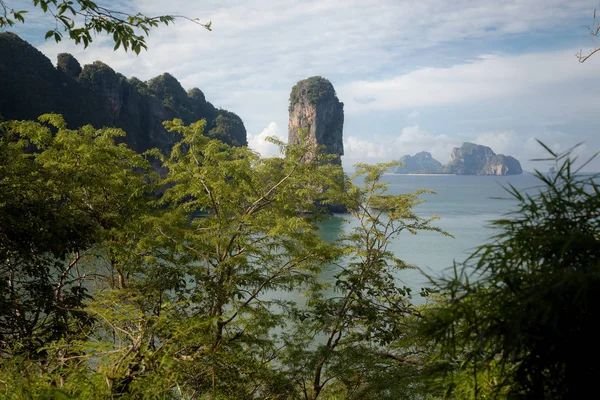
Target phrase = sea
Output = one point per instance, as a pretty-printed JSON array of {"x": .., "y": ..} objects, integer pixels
[{"x": 465, "y": 205}]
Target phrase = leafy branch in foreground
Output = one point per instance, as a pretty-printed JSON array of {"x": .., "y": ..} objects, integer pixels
[
  {"x": 120, "y": 283},
  {"x": 81, "y": 19},
  {"x": 61, "y": 193},
  {"x": 190, "y": 311},
  {"x": 522, "y": 309},
  {"x": 352, "y": 329}
]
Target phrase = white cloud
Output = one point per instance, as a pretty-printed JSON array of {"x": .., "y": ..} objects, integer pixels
[
  {"x": 489, "y": 77},
  {"x": 387, "y": 59},
  {"x": 510, "y": 143},
  {"x": 361, "y": 150},
  {"x": 411, "y": 140},
  {"x": 263, "y": 147},
  {"x": 259, "y": 48}
]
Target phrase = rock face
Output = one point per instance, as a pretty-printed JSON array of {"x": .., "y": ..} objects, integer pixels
[
  {"x": 420, "y": 163},
  {"x": 95, "y": 94},
  {"x": 316, "y": 111},
  {"x": 474, "y": 159},
  {"x": 314, "y": 107}
]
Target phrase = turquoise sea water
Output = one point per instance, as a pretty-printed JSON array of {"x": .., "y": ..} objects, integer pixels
[{"x": 465, "y": 205}]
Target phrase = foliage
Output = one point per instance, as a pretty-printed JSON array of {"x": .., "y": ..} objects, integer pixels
[
  {"x": 312, "y": 89},
  {"x": 170, "y": 92},
  {"x": 66, "y": 63},
  {"x": 174, "y": 293},
  {"x": 81, "y": 19},
  {"x": 171, "y": 287},
  {"x": 228, "y": 127},
  {"x": 192, "y": 106},
  {"x": 361, "y": 320},
  {"x": 522, "y": 308},
  {"x": 250, "y": 240},
  {"x": 60, "y": 194}
]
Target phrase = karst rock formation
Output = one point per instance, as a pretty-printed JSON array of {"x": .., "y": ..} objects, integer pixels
[
  {"x": 98, "y": 95},
  {"x": 316, "y": 112},
  {"x": 315, "y": 109}
]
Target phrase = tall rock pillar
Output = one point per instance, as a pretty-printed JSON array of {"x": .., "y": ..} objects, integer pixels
[
  {"x": 314, "y": 107},
  {"x": 316, "y": 110}
]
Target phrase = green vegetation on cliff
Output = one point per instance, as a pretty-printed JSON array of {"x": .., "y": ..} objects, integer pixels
[
  {"x": 315, "y": 108},
  {"x": 95, "y": 94},
  {"x": 192, "y": 106},
  {"x": 311, "y": 90}
]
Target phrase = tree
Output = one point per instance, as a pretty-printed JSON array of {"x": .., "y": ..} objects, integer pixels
[
  {"x": 61, "y": 194},
  {"x": 181, "y": 300},
  {"x": 81, "y": 19},
  {"x": 522, "y": 309},
  {"x": 359, "y": 323},
  {"x": 164, "y": 287},
  {"x": 243, "y": 226}
]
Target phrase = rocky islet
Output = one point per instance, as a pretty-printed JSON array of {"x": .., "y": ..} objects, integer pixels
[{"x": 469, "y": 159}]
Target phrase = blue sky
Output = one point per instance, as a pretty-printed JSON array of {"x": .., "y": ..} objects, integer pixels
[{"x": 414, "y": 75}]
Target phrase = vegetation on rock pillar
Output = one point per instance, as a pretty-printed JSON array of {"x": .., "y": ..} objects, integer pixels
[{"x": 312, "y": 89}]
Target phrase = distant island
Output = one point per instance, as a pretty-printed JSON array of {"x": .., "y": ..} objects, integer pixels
[
  {"x": 420, "y": 163},
  {"x": 469, "y": 159}
]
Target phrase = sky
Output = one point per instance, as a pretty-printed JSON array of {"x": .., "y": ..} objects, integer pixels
[{"x": 414, "y": 75}]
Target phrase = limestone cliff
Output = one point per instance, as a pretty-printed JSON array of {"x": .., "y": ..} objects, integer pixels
[
  {"x": 95, "y": 94},
  {"x": 420, "y": 163},
  {"x": 314, "y": 107},
  {"x": 474, "y": 159},
  {"x": 316, "y": 110}
]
